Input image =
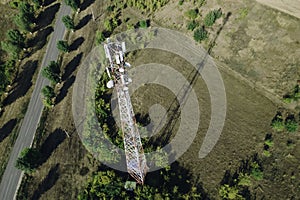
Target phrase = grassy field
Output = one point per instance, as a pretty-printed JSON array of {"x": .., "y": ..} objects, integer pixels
[{"x": 251, "y": 64}]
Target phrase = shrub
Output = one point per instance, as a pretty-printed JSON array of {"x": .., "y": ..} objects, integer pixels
[
  {"x": 291, "y": 125},
  {"x": 99, "y": 37},
  {"x": 200, "y": 34},
  {"x": 192, "y": 14},
  {"x": 15, "y": 37},
  {"x": 12, "y": 50},
  {"x": 256, "y": 172},
  {"x": 244, "y": 180},
  {"x": 227, "y": 192},
  {"x": 201, "y": 2},
  {"x": 269, "y": 143},
  {"x": 212, "y": 16},
  {"x": 180, "y": 2},
  {"x": 278, "y": 124},
  {"x": 287, "y": 99},
  {"x": 192, "y": 25},
  {"x": 63, "y": 46},
  {"x": 130, "y": 26},
  {"x": 267, "y": 153},
  {"x": 143, "y": 24}
]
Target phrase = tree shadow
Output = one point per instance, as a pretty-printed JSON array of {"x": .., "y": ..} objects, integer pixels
[
  {"x": 46, "y": 18},
  {"x": 177, "y": 175},
  {"x": 40, "y": 40},
  {"x": 23, "y": 82},
  {"x": 290, "y": 117},
  {"x": 144, "y": 120},
  {"x": 213, "y": 42},
  {"x": 84, "y": 21},
  {"x": 86, "y": 4},
  {"x": 48, "y": 2},
  {"x": 47, "y": 183},
  {"x": 7, "y": 128},
  {"x": 50, "y": 144},
  {"x": 76, "y": 44},
  {"x": 244, "y": 168},
  {"x": 64, "y": 90},
  {"x": 71, "y": 66}
]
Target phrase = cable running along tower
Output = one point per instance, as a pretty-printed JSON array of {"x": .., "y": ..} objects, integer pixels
[{"x": 117, "y": 72}]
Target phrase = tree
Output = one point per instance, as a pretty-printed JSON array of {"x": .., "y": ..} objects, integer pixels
[
  {"x": 15, "y": 37},
  {"x": 48, "y": 92},
  {"x": 25, "y": 17},
  {"x": 52, "y": 72},
  {"x": 192, "y": 25},
  {"x": 68, "y": 22},
  {"x": 74, "y": 4},
  {"x": 28, "y": 160},
  {"x": 12, "y": 49},
  {"x": 27, "y": 10},
  {"x": 22, "y": 22},
  {"x": 212, "y": 16},
  {"x": 63, "y": 46},
  {"x": 200, "y": 34}
]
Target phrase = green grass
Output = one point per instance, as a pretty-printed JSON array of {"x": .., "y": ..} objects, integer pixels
[{"x": 243, "y": 13}]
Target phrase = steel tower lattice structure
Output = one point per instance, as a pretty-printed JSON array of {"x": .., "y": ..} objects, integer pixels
[{"x": 117, "y": 71}]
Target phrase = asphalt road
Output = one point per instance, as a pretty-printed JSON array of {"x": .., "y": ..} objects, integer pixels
[{"x": 12, "y": 177}]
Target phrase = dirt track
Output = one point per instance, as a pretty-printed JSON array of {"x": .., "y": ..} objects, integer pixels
[{"x": 291, "y": 7}]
